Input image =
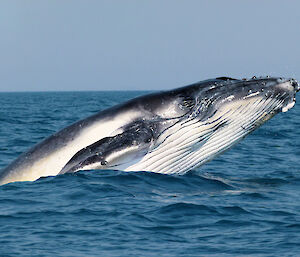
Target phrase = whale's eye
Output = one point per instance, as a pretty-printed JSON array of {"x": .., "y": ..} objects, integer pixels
[{"x": 187, "y": 102}]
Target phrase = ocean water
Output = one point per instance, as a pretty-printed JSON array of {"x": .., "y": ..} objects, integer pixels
[{"x": 246, "y": 202}]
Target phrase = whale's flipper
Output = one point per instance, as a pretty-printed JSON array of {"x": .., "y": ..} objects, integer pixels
[{"x": 114, "y": 151}]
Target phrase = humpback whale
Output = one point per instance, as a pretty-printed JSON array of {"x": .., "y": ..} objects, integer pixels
[{"x": 168, "y": 132}]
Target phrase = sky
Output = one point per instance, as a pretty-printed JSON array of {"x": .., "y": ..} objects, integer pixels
[{"x": 71, "y": 45}]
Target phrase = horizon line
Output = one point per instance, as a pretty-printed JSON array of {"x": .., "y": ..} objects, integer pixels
[{"x": 69, "y": 91}]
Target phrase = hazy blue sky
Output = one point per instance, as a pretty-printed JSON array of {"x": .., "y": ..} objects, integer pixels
[{"x": 141, "y": 45}]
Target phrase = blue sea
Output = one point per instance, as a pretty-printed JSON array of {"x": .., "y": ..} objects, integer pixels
[{"x": 246, "y": 202}]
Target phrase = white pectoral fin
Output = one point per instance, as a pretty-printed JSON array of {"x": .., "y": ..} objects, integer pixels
[{"x": 112, "y": 152}]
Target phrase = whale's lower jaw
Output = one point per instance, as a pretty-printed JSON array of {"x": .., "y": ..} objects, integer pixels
[{"x": 192, "y": 144}]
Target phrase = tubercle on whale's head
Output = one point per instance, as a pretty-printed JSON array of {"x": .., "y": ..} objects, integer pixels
[{"x": 282, "y": 89}]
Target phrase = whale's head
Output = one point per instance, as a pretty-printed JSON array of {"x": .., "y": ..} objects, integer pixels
[
  {"x": 247, "y": 102},
  {"x": 214, "y": 115},
  {"x": 267, "y": 95}
]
